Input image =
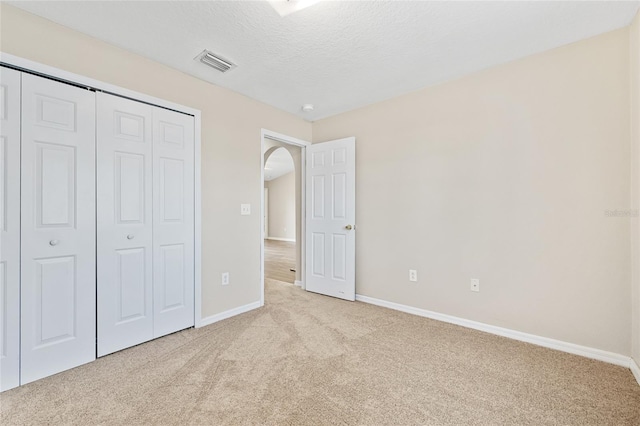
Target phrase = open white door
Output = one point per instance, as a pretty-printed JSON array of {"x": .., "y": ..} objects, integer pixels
[{"x": 330, "y": 218}]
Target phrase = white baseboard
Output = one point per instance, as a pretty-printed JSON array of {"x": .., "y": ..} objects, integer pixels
[
  {"x": 635, "y": 369},
  {"x": 598, "y": 354},
  {"x": 298, "y": 283},
  {"x": 228, "y": 314},
  {"x": 291, "y": 240}
]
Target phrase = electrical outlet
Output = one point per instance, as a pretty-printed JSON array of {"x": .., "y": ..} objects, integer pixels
[
  {"x": 245, "y": 209},
  {"x": 413, "y": 275},
  {"x": 225, "y": 278},
  {"x": 475, "y": 284}
]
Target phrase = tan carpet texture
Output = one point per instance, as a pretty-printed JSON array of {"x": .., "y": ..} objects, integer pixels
[{"x": 306, "y": 359}]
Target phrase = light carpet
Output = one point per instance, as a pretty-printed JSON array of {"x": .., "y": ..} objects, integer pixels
[{"x": 306, "y": 359}]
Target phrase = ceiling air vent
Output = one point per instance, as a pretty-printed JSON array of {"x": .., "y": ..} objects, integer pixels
[{"x": 215, "y": 61}]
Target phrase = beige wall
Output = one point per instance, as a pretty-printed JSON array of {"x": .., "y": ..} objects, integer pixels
[
  {"x": 635, "y": 182},
  {"x": 504, "y": 176},
  {"x": 282, "y": 207},
  {"x": 231, "y": 155}
]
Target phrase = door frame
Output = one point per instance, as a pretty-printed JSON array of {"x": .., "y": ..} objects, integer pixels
[
  {"x": 289, "y": 140},
  {"x": 32, "y": 67},
  {"x": 265, "y": 213}
]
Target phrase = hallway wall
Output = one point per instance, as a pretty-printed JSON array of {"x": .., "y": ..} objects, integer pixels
[{"x": 282, "y": 207}]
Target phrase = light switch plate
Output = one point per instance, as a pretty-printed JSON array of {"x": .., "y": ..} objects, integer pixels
[{"x": 245, "y": 209}]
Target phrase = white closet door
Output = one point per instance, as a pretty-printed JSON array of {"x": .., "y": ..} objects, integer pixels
[
  {"x": 173, "y": 210},
  {"x": 58, "y": 292},
  {"x": 125, "y": 281},
  {"x": 9, "y": 228}
]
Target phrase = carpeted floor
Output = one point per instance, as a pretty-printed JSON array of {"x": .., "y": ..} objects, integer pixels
[{"x": 306, "y": 359}]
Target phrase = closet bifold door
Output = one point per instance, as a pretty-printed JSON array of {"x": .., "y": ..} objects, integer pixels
[
  {"x": 173, "y": 221},
  {"x": 125, "y": 303},
  {"x": 58, "y": 274},
  {"x": 9, "y": 228}
]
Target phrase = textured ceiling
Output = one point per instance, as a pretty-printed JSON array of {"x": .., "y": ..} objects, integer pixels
[
  {"x": 337, "y": 55},
  {"x": 278, "y": 164}
]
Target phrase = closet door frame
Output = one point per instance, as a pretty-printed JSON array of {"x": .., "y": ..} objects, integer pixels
[
  {"x": 37, "y": 68},
  {"x": 10, "y": 128}
]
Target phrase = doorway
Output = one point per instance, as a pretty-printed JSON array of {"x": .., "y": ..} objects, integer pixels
[
  {"x": 280, "y": 207},
  {"x": 282, "y": 242},
  {"x": 325, "y": 239}
]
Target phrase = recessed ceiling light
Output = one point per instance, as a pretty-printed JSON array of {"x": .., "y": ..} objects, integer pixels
[
  {"x": 307, "y": 107},
  {"x": 215, "y": 61},
  {"x": 286, "y": 7}
]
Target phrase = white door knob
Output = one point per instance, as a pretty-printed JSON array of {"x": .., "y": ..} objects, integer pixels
[
  {"x": 53, "y": 242},
  {"x": 130, "y": 237}
]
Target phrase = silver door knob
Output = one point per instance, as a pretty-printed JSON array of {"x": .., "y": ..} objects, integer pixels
[
  {"x": 130, "y": 237},
  {"x": 53, "y": 242},
  {"x": 348, "y": 227}
]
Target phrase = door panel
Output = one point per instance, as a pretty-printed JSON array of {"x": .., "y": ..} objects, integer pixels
[
  {"x": 330, "y": 228},
  {"x": 339, "y": 250},
  {"x": 173, "y": 222},
  {"x": 317, "y": 197},
  {"x": 125, "y": 286},
  {"x": 172, "y": 285},
  {"x": 55, "y": 185},
  {"x": 55, "y": 113},
  {"x": 55, "y": 285},
  {"x": 9, "y": 228},
  {"x": 130, "y": 188},
  {"x": 318, "y": 251},
  {"x": 172, "y": 187},
  {"x": 131, "y": 280},
  {"x": 58, "y": 227}
]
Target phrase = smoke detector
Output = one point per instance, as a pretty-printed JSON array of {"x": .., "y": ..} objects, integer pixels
[
  {"x": 307, "y": 107},
  {"x": 215, "y": 61}
]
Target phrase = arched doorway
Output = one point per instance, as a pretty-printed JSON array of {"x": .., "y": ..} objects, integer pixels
[{"x": 281, "y": 221}]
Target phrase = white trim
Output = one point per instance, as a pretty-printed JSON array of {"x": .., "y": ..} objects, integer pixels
[
  {"x": 265, "y": 216},
  {"x": 279, "y": 137},
  {"x": 197, "y": 315},
  {"x": 69, "y": 77},
  {"x": 46, "y": 70},
  {"x": 230, "y": 313},
  {"x": 303, "y": 217},
  {"x": 291, "y": 240},
  {"x": 298, "y": 283},
  {"x": 585, "y": 351},
  {"x": 262, "y": 235},
  {"x": 635, "y": 369}
]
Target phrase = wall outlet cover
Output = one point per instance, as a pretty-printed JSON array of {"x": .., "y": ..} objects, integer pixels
[{"x": 475, "y": 284}]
